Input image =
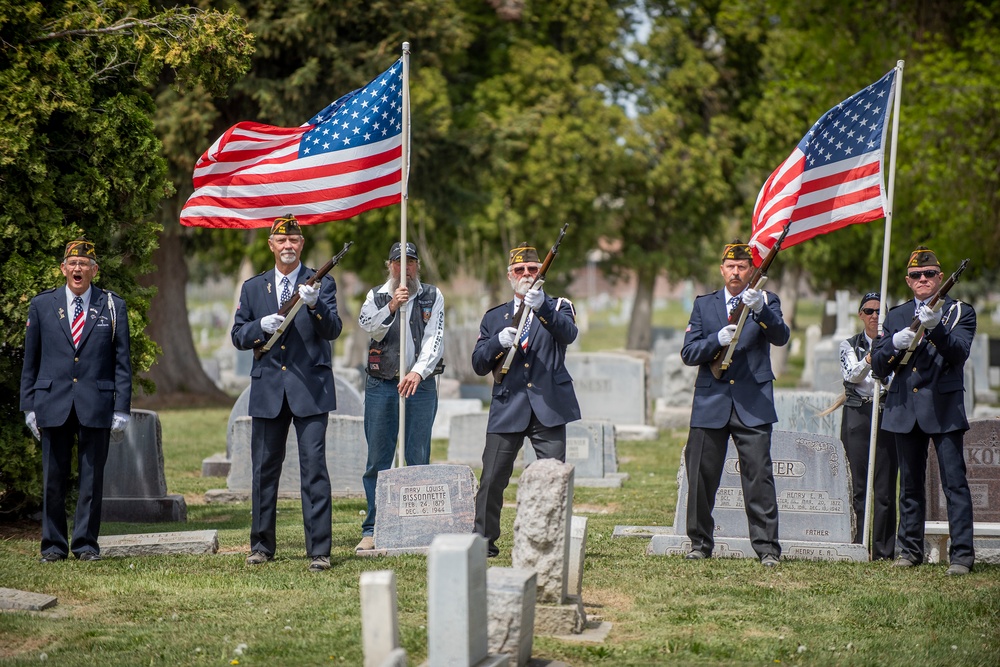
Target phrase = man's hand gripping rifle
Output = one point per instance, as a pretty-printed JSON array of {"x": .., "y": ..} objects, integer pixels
[
  {"x": 724, "y": 357},
  {"x": 503, "y": 365},
  {"x": 292, "y": 306}
]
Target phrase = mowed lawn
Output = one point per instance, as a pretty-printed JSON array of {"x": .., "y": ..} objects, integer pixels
[{"x": 214, "y": 610}]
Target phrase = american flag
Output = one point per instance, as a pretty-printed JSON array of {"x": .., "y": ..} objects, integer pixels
[
  {"x": 833, "y": 178},
  {"x": 345, "y": 160}
]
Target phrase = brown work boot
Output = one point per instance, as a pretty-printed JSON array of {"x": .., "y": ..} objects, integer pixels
[{"x": 367, "y": 543}]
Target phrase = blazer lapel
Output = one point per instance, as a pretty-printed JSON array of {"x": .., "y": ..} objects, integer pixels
[
  {"x": 720, "y": 307},
  {"x": 59, "y": 310}
]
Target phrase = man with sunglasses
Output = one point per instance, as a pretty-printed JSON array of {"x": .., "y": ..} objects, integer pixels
[
  {"x": 740, "y": 405},
  {"x": 855, "y": 433},
  {"x": 535, "y": 399},
  {"x": 926, "y": 401}
]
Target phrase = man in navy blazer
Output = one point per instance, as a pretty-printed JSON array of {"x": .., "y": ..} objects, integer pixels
[
  {"x": 926, "y": 401},
  {"x": 76, "y": 382},
  {"x": 535, "y": 399},
  {"x": 740, "y": 404},
  {"x": 291, "y": 383}
]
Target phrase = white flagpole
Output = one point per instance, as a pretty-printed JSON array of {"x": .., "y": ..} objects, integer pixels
[
  {"x": 883, "y": 306},
  {"x": 404, "y": 312}
]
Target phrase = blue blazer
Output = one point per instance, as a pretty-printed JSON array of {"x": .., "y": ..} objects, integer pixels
[
  {"x": 95, "y": 378},
  {"x": 300, "y": 365},
  {"x": 537, "y": 381},
  {"x": 929, "y": 391},
  {"x": 747, "y": 383}
]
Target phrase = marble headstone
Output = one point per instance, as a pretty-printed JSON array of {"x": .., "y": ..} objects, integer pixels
[
  {"x": 981, "y": 445},
  {"x": 346, "y": 455},
  {"x": 467, "y": 438},
  {"x": 585, "y": 448},
  {"x": 609, "y": 386},
  {"x": 448, "y": 408},
  {"x": 416, "y": 503},
  {"x": 800, "y": 411},
  {"x": 135, "y": 486},
  {"x": 813, "y": 487}
]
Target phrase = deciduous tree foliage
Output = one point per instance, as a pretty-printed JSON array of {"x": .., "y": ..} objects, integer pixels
[{"x": 78, "y": 155}]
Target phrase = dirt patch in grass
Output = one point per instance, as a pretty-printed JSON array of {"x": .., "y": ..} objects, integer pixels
[
  {"x": 596, "y": 509},
  {"x": 21, "y": 529}
]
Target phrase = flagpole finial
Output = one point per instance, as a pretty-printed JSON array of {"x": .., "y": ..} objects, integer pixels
[
  {"x": 406, "y": 48},
  {"x": 899, "y": 64}
]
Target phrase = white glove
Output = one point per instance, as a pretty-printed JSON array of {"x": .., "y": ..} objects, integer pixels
[
  {"x": 119, "y": 421},
  {"x": 902, "y": 338},
  {"x": 270, "y": 323},
  {"x": 29, "y": 419},
  {"x": 309, "y": 294},
  {"x": 534, "y": 298},
  {"x": 928, "y": 316},
  {"x": 507, "y": 336},
  {"x": 726, "y": 334},
  {"x": 753, "y": 299}
]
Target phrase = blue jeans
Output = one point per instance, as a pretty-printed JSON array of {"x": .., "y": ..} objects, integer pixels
[{"x": 382, "y": 430}]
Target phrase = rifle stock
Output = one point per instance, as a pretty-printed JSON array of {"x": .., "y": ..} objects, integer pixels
[
  {"x": 292, "y": 306},
  {"x": 521, "y": 316},
  {"x": 722, "y": 359}
]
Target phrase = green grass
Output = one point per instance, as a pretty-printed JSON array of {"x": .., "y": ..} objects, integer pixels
[{"x": 195, "y": 610}]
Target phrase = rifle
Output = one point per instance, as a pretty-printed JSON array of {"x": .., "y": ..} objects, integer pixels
[
  {"x": 724, "y": 357},
  {"x": 936, "y": 303},
  {"x": 521, "y": 316},
  {"x": 292, "y": 306}
]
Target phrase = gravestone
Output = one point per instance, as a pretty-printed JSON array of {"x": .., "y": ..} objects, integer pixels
[
  {"x": 135, "y": 487},
  {"x": 448, "y": 408},
  {"x": 815, "y": 515},
  {"x": 577, "y": 553},
  {"x": 416, "y": 503},
  {"x": 542, "y": 543},
  {"x": 511, "y": 612},
  {"x": 467, "y": 438},
  {"x": 12, "y": 599},
  {"x": 591, "y": 450},
  {"x": 981, "y": 445},
  {"x": 979, "y": 360},
  {"x": 379, "y": 617},
  {"x": 349, "y": 402},
  {"x": 456, "y": 603},
  {"x": 609, "y": 386},
  {"x": 160, "y": 544},
  {"x": 799, "y": 411},
  {"x": 346, "y": 455}
]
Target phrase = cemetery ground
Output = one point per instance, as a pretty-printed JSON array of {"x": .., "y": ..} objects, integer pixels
[{"x": 215, "y": 610}]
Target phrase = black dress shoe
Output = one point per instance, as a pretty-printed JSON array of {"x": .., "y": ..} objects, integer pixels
[
  {"x": 51, "y": 558},
  {"x": 694, "y": 554},
  {"x": 88, "y": 556}
]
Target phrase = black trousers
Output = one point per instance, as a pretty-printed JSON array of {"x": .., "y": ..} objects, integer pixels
[
  {"x": 912, "y": 451},
  {"x": 704, "y": 457},
  {"x": 57, "y": 463},
  {"x": 267, "y": 453},
  {"x": 498, "y": 464},
  {"x": 855, "y": 433}
]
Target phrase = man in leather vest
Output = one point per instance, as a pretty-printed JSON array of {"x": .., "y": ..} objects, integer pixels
[
  {"x": 924, "y": 402},
  {"x": 855, "y": 433},
  {"x": 535, "y": 399},
  {"x": 76, "y": 384},
  {"x": 384, "y": 386}
]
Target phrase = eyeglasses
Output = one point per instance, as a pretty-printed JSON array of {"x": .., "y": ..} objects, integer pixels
[
  {"x": 917, "y": 275},
  {"x": 869, "y": 311},
  {"x": 85, "y": 264},
  {"x": 520, "y": 270}
]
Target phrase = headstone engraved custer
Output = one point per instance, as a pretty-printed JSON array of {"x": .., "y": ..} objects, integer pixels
[
  {"x": 813, "y": 487},
  {"x": 416, "y": 503}
]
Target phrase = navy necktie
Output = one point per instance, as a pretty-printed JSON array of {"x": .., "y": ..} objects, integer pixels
[
  {"x": 286, "y": 293},
  {"x": 732, "y": 303}
]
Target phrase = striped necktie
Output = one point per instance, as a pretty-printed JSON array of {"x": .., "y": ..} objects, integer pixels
[
  {"x": 523, "y": 342},
  {"x": 77, "y": 326},
  {"x": 732, "y": 303},
  {"x": 286, "y": 293}
]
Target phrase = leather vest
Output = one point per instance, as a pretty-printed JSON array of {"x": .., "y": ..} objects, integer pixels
[{"x": 383, "y": 355}]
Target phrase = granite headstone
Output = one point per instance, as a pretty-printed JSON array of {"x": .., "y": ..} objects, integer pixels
[
  {"x": 799, "y": 411},
  {"x": 609, "y": 386},
  {"x": 981, "y": 445}
]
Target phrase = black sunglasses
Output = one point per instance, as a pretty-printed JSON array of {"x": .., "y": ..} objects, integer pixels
[
  {"x": 916, "y": 275},
  {"x": 869, "y": 311}
]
